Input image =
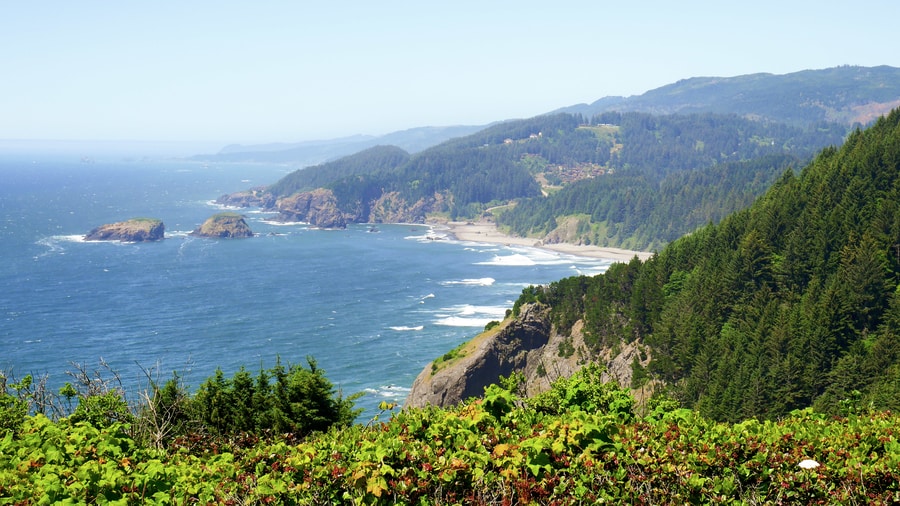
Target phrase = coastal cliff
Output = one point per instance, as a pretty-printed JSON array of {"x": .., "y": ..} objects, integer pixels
[
  {"x": 254, "y": 197},
  {"x": 528, "y": 344},
  {"x": 319, "y": 208},
  {"x": 224, "y": 226},
  {"x": 133, "y": 230}
]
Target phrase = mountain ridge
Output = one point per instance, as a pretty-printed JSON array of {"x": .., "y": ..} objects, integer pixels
[{"x": 741, "y": 95}]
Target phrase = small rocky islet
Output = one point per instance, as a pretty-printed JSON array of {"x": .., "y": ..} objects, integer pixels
[
  {"x": 133, "y": 230},
  {"x": 226, "y": 225}
]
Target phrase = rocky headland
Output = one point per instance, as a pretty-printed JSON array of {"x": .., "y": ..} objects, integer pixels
[
  {"x": 254, "y": 197},
  {"x": 224, "y": 226},
  {"x": 133, "y": 230},
  {"x": 318, "y": 207},
  {"x": 528, "y": 343}
]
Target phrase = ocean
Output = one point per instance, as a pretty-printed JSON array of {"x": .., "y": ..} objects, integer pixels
[{"x": 372, "y": 306}]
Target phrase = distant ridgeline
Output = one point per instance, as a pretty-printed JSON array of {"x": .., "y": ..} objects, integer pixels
[
  {"x": 626, "y": 179},
  {"x": 793, "y": 302},
  {"x": 846, "y": 94}
]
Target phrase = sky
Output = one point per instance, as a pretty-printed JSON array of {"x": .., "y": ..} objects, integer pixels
[{"x": 221, "y": 72}]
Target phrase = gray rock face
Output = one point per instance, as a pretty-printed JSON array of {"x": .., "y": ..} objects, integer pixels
[
  {"x": 318, "y": 208},
  {"x": 255, "y": 197},
  {"x": 500, "y": 355},
  {"x": 528, "y": 344},
  {"x": 390, "y": 207},
  {"x": 134, "y": 230}
]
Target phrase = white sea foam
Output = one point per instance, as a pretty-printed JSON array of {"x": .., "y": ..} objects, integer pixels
[
  {"x": 389, "y": 391},
  {"x": 213, "y": 203},
  {"x": 591, "y": 271},
  {"x": 53, "y": 245},
  {"x": 429, "y": 236},
  {"x": 473, "y": 282},
  {"x": 458, "y": 321},
  {"x": 68, "y": 238},
  {"x": 469, "y": 309},
  {"x": 404, "y": 328},
  {"x": 285, "y": 223},
  {"x": 526, "y": 257},
  {"x": 468, "y": 315}
]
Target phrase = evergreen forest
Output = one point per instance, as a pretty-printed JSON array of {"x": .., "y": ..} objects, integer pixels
[{"x": 790, "y": 303}]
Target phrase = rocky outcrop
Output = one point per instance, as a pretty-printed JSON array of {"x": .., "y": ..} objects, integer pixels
[
  {"x": 390, "y": 207},
  {"x": 318, "y": 208},
  {"x": 499, "y": 354},
  {"x": 527, "y": 344},
  {"x": 134, "y": 230},
  {"x": 569, "y": 230},
  {"x": 224, "y": 226},
  {"x": 254, "y": 197}
]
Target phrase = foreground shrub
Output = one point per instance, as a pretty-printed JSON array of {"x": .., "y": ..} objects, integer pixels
[{"x": 496, "y": 450}]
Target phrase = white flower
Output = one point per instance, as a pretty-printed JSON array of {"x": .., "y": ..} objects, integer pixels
[{"x": 808, "y": 464}]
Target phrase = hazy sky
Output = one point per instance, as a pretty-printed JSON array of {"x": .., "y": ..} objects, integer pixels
[{"x": 283, "y": 71}]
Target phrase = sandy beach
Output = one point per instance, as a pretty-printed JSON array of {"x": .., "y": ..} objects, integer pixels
[{"x": 483, "y": 231}]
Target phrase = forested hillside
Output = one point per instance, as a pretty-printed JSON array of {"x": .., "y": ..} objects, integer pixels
[
  {"x": 667, "y": 175},
  {"x": 790, "y": 303},
  {"x": 633, "y": 179},
  {"x": 639, "y": 212},
  {"x": 376, "y": 159}
]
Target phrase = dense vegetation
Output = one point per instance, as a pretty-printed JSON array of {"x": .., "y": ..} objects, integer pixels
[
  {"x": 286, "y": 400},
  {"x": 376, "y": 159},
  {"x": 639, "y": 212},
  {"x": 790, "y": 303},
  {"x": 579, "y": 443},
  {"x": 672, "y": 174}
]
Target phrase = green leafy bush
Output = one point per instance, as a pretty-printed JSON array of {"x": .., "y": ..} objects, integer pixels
[{"x": 500, "y": 449}]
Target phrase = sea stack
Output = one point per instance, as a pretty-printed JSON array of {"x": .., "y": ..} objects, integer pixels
[
  {"x": 133, "y": 230},
  {"x": 224, "y": 226}
]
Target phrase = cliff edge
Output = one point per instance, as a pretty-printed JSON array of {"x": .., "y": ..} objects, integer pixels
[{"x": 528, "y": 344}]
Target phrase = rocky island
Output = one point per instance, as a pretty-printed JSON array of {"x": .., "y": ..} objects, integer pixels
[
  {"x": 224, "y": 226},
  {"x": 133, "y": 230}
]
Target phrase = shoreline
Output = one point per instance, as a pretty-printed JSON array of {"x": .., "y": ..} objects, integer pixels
[{"x": 487, "y": 232}]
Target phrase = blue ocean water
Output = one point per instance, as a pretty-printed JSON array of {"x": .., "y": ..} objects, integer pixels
[{"x": 372, "y": 307}]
